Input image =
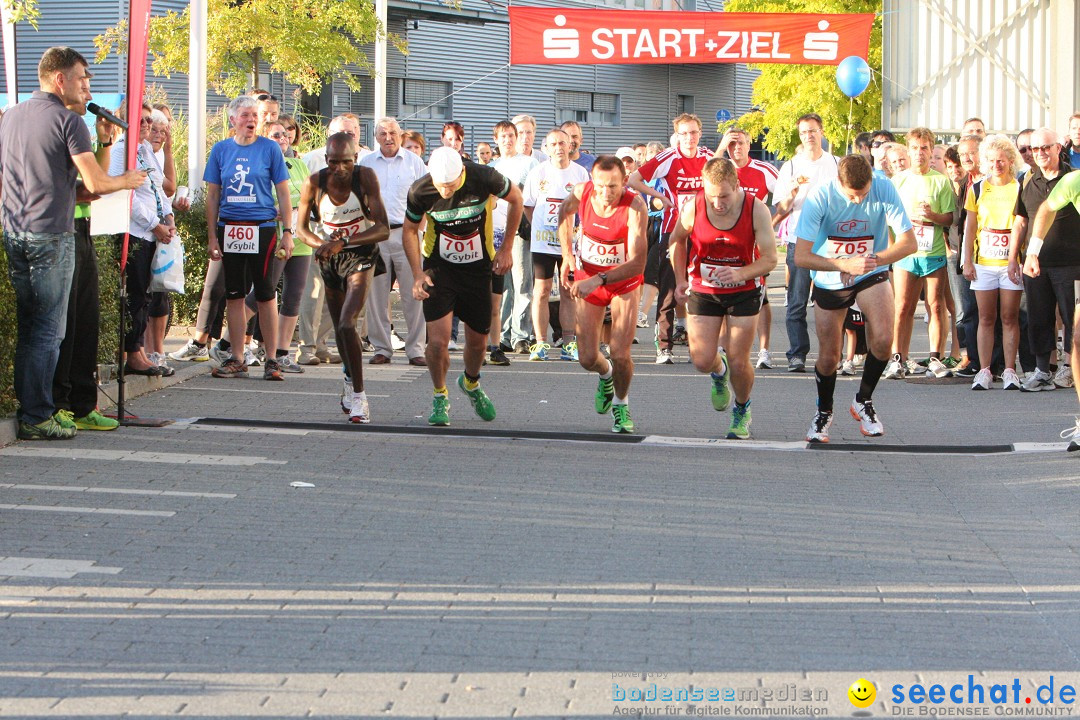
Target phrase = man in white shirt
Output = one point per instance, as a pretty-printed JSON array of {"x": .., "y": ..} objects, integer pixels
[
  {"x": 810, "y": 167},
  {"x": 397, "y": 169},
  {"x": 545, "y": 189},
  {"x": 512, "y": 137}
]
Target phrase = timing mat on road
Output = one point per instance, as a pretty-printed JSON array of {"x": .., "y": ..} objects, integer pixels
[{"x": 563, "y": 436}]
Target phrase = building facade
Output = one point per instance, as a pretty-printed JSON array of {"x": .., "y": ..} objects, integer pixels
[{"x": 456, "y": 69}]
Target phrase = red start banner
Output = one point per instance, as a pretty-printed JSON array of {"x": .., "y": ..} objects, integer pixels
[{"x": 561, "y": 36}]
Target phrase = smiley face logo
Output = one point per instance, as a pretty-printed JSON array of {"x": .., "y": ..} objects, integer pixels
[{"x": 861, "y": 693}]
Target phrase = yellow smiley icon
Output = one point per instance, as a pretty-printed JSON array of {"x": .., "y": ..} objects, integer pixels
[{"x": 861, "y": 693}]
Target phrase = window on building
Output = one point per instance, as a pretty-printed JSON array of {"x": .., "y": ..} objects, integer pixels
[
  {"x": 684, "y": 104},
  {"x": 426, "y": 99},
  {"x": 587, "y": 108}
]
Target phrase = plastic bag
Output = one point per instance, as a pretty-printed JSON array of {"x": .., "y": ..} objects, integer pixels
[{"x": 167, "y": 270}]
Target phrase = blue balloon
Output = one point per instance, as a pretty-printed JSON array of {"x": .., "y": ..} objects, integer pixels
[{"x": 853, "y": 76}]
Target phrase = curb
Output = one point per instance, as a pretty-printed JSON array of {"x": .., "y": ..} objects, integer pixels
[{"x": 135, "y": 386}]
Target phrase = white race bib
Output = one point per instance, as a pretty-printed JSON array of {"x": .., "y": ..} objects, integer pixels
[
  {"x": 836, "y": 247},
  {"x": 602, "y": 254},
  {"x": 710, "y": 276},
  {"x": 243, "y": 239},
  {"x": 924, "y": 236},
  {"x": 551, "y": 213},
  {"x": 994, "y": 244},
  {"x": 460, "y": 250},
  {"x": 682, "y": 199}
]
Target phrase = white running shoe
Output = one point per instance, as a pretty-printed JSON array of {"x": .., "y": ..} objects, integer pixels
[
  {"x": 250, "y": 359},
  {"x": 1073, "y": 434},
  {"x": 1038, "y": 381},
  {"x": 984, "y": 380},
  {"x": 191, "y": 353},
  {"x": 764, "y": 360},
  {"x": 869, "y": 423},
  {"x": 642, "y": 320},
  {"x": 396, "y": 342},
  {"x": 287, "y": 365},
  {"x": 895, "y": 369},
  {"x": 359, "y": 411},
  {"x": 663, "y": 357},
  {"x": 346, "y": 395},
  {"x": 847, "y": 367},
  {"x": 220, "y": 354},
  {"x": 936, "y": 368},
  {"x": 1009, "y": 380},
  {"x": 819, "y": 428},
  {"x": 1063, "y": 377}
]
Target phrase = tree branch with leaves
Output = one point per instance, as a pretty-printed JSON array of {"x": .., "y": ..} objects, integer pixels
[
  {"x": 308, "y": 41},
  {"x": 784, "y": 92}
]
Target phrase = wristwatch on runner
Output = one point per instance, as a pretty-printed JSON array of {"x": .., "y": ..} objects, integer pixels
[{"x": 603, "y": 278}]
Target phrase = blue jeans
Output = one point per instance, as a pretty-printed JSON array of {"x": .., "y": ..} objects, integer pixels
[
  {"x": 798, "y": 295},
  {"x": 967, "y": 322},
  {"x": 40, "y": 266}
]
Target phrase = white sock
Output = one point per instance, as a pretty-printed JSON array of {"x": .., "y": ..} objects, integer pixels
[
  {"x": 359, "y": 395},
  {"x": 618, "y": 401},
  {"x": 607, "y": 375}
]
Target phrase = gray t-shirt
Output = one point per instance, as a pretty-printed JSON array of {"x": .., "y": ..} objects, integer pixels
[{"x": 38, "y": 138}]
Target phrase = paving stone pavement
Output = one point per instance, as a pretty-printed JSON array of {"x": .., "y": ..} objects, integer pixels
[{"x": 470, "y": 576}]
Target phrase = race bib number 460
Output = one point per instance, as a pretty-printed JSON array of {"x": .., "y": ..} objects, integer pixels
[
  {"x": 839, "y": 247},
  {"x": 243, "y": 239},
  {"x": 460, "y": 250},
  {"x": 602, "y": 254},
  {"x": 994, "y": 244}
]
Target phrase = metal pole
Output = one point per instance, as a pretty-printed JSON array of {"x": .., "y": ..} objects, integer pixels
[
  {"x": 380, "y": 61},
  {"x": 197, "y": 97}
]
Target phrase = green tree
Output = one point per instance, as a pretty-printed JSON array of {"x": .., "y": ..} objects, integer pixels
[
  {"x": 784, "y": 92},
  {"x": 23, "y": 10},
  {"x": 307, "y": 41}
]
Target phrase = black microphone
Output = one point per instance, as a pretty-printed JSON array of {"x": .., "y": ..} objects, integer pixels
[{"x": 103, "y": 113}]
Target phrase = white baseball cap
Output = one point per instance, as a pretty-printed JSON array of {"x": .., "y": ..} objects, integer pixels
[
  {"x": 625, "y": 152},
  {"x": 445, "y": 165}
]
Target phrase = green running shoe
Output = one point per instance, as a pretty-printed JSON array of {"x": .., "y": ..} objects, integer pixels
[
  {"x": 605, "y": 392},
  {"x": 94, "y": 420},
  {"x": 623, "y": 422},
  {"x": 481, "y": 403},
  {"x": 721, "y": 390},
  {"x": 740, "y": 422},
  {"x": 66, "y": 419},
  {"x": 440, "y": 411},
  {"x": 50, "y": 429}
]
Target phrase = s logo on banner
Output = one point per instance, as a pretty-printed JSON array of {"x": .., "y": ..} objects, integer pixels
[{"x": 561, "y": 44}]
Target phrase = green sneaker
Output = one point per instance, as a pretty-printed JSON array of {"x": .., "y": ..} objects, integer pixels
[
  {"x": 481, "y": 403},
  {"x": 440, "y": 411},
  {"x": 605, "y": 392},
  {"x": 65, "y": 418},
  {"x": 94, "y": 420},
  {"x": 50, "y": 429},
  {"x": 740, "y": 422},
  {"x": 721, "y": 391},
  {"x": 623, "y": 423}
]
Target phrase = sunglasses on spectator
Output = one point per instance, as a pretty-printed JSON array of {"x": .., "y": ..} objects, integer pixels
[
  {"x": 264, "y": 97},
  {"x": 147, "y": 121},
  {"x": 1024, "y": 148},
  {"x": 1042, "y": 148},
  {"x": 878, "y": 143},
  {"x": 278, "y": 136}
]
